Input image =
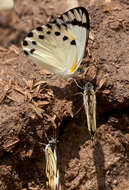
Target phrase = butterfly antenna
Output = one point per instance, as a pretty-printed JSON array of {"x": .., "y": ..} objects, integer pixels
[
  {"x": 77, "y": 84},
  {"x": 54, "y": 133},
  {"x": 46, "y": 135},
  {"x": 42, "y": 143},
  {"x": 78, "y": 93}
]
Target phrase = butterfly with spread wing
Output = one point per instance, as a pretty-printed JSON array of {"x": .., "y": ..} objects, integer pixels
[{"x": 59, "y": 46}]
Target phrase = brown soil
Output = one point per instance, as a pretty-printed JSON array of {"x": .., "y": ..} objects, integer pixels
[{"x": 32, "y": 102}]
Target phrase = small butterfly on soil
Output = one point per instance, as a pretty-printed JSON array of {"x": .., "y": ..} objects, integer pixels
[
  {"x": 59, "y": 46},
  {"x": 89, "y": 103},
  {"x": 52, "y": 173},
  {"x": 89, "y": 99}
]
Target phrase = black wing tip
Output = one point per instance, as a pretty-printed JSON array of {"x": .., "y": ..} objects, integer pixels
[{"x": 84, "y": 10}]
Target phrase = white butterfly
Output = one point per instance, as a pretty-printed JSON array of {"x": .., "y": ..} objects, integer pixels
[
  {"x": 52, "y": 173},
  {"x": 59, "y": 46}
]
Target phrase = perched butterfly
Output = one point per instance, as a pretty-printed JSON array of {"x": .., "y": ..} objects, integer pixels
[
  {"x": 89, "y": 103},
  {"x": 89, "y": 99},
  {"x": 52, "y": 173},
  {"x": 59, "y": 46}
]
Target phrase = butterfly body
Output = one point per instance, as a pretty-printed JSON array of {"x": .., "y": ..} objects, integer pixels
[{"x": 59, "y": 45}]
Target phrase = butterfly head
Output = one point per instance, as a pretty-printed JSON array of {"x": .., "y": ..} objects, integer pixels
[{"x": 88, "y": 87}]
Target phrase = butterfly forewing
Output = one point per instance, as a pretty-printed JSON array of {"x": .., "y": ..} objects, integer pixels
[{"x": 77, "y": 21}]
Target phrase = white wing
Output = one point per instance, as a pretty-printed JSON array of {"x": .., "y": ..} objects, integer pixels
[
  {"x": 77, "y": 21},
  {"x": 59, "y": 46},
  {"x": 53, "y": 47}
]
